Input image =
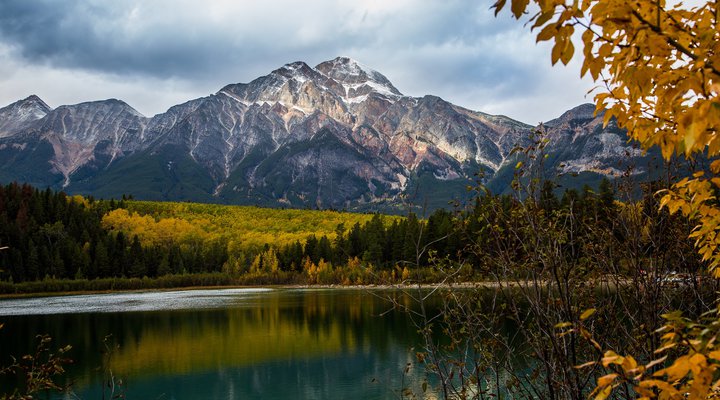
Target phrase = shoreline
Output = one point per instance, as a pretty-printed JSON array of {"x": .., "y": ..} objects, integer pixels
[
  {"x": 399, "y": 286},
  {"x": 156, "y": 285}
]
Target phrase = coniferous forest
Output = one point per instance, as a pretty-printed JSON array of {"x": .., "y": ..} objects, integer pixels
[{"x": 52, "y": 237}]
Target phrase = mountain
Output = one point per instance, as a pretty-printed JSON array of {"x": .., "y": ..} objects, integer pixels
[
  {"x": 335, "y": 135},
  {"x": 20, "y": 114}
]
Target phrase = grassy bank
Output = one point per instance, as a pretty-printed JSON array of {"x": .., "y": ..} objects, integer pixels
[{"x": 216, "y": 279}]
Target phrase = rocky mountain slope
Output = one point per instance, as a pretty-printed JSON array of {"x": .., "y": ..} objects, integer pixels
[
  {"x": 20, "y": 114},
  {"x": 337, "y": 135}
]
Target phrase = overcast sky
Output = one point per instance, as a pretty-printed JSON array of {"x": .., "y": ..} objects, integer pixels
[{"x": 157, "y": 53}]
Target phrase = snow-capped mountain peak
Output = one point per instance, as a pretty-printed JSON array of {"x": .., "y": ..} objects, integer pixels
[
  {"x": 341, "y": 80},
  {"x": 347, "y": 70},
  {"x": 357, "y": 79},
  {"x": 35, "y": 107},
  {"x": 22, "y": 113}
]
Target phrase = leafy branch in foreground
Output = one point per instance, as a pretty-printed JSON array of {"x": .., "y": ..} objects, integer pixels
[
  {"x": 691, "y": 374},
  {"x": 38, "y": 372},
  {"x": 658, "y": 70}
]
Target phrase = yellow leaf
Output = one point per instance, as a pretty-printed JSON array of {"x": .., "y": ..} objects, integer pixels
[
  {"x": 587, "y": 314},
  {"x": 567, "y": 53},
  {"x": 498, "y": 6},
  {"x": 546, "y": 33},
  {"x": 587, "y": 36},
  {"x": 604, "y": 393},
  {"x": 557, "y": 50},
  {"x": 678, "y": 370},
  {"x": 518, "y": 7},
  {"x": 629, "y": 363},
  {"x": 585, "y": 365},
  {"x": 655, "y": 362},
  {"x": 610, "y": 357},
  {"x": 665, "y": 387},
  {"x": 715, "y": 166},
  {"x": 606, "y": 380},
  {"x": 543, "y": 18},
  {"x": 606, "y": 118}
]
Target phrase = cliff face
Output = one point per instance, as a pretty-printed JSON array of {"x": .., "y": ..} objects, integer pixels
[{"x": 336, "y": 135}]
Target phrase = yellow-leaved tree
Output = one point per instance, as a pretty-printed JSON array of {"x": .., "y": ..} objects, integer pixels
[{"x": 657, "y": 66}]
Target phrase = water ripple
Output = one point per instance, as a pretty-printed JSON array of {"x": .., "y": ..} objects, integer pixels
[{"x": 133, "y": 301}]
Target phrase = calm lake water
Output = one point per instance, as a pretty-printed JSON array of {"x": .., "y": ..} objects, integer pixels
[{"x": 224, "y": 344}]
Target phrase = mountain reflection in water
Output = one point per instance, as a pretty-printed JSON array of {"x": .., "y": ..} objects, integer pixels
[{"x": 271, "y": 344}]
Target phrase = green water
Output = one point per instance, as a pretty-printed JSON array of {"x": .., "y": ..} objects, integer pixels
[{"x": 277, "y": 344}]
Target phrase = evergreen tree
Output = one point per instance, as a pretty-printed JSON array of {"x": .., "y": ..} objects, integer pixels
[
  {"x": 412, "y": 240},
  {"x": 373, "y": 240},
  {"x": 32, "y": 265},
  {"x": 101, "y": 262},
  {"x": 136, "y": 259},
  {"x": 354, "y": 241},
  {"x": 323, "y": 251},
  {"x": 606, "y": 202},
  {"x": 119, "y": 256},
  {"x": 311, "y": 249},
  {"x": 339, "y": 246},
  {"x": 57, "y": 268},
  {"x": 164, "y": 266}
]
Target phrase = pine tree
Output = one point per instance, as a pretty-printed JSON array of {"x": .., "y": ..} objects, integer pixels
[
  {"x": 323, "y": 251},
  {"x": 32, "y": 265},
  {"x": 606, "y": 202},
  {"x": 101, "y": 261},
  {"x": 311, "y": 249},
  {"x": 164, "y": 266},
  {"x": 136, "y": 259}
]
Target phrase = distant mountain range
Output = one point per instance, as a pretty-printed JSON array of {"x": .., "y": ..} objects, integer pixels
[{"x": 338, "y": 135}]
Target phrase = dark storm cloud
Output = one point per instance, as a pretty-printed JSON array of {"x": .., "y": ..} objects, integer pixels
[
  {"x": 108, "y": 37},
  {"x": 453, "y": 48},
  {"x": 78, "y": 34}
]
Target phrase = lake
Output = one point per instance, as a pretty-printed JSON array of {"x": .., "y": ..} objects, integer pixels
[{"x": 224, "y": 344}]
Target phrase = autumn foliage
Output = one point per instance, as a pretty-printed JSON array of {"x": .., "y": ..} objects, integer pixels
[{"x": 657, "y": 66}]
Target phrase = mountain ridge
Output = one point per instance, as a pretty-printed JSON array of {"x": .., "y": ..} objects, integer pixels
[{"x": 336, "y": 135}]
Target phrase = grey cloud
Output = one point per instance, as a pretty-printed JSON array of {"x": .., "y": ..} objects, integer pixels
[
  {"x": 74, "y": 34},
  {"x": 102, "y": 36},
  {"x": 443, "y": 47},
  {"x": 71, "y": 34}
]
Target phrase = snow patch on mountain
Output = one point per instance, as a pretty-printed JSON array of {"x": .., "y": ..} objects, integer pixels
[
  {"x": 296, "y": 71},
  {"x": 350, "y": 72},
  {"x": 21, "y": 114},
  {"x": 234, "y": 97},
  {"x": 358, "y": 92}
]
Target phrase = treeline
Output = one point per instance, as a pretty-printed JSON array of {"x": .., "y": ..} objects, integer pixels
[
  {"x": 47, "y": 234},
  {"x": 403, "y": 242},
  {"x": 468, "y": 236},
  {"x": 52, "y": 235},
  {"x": 586, "y": 230}
]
